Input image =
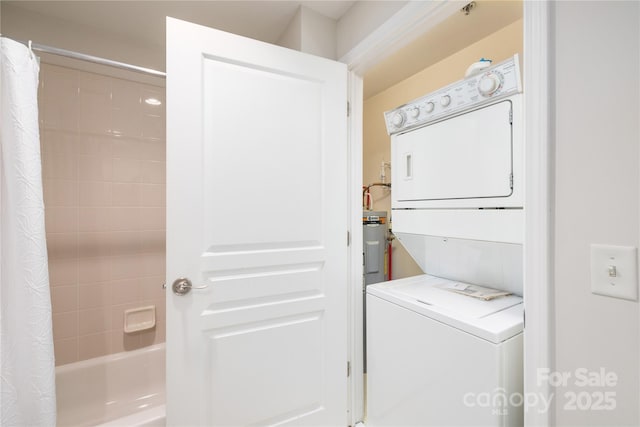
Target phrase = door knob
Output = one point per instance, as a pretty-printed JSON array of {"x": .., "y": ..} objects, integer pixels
[{"x": 183, "y": 286}]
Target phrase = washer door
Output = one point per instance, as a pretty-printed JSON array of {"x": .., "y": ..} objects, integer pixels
[{"x": 465, "y": 157}]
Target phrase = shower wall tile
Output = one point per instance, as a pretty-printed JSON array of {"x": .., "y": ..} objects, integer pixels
[
  {"x": 62, "y": 245},
  {"x": 64, "y": 298},
  {"x": 59, "y": 103},
  {"x": 126, "y": 194},
  {"x": 103, "y": 163},
  {"x": 94, "y": 193},
  {"x": 93, "y": 270},
  {"x": 94, "y": 295},
  {"x": 153, "y": 195},
  {"x": 94, "y": 345},
  {"x": 94, "y": 321},
  {"x": 60, "y": 192},
  {"x": 93, "y": 219},
  {"x": 95, "y": 168},
  {"x": 66, "y": 351},
  {"x": 61, "y": 219},
  {"x": 65, "y": 325},
  {"x": 62, "y": 271}
]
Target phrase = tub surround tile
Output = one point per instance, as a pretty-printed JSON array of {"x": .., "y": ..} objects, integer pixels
[
  {"x": 124, "y": 342},
  {"x": 64, "y": 299},
  {"x": 95, "y": 345},
  {"x": 153, "y": 241},
  {"x": 126, "y": 170},
  {"x": 62, "y": 245},
  {"x": 103, "y": 155},
  {"x": 95, "y": 145},
  {"x": 95, "y": 295},
  {"x": 65, "y": 325},
  {"x": 95, "y": 193},
  {"x": 63, "y": 271},
  {"x": 125, "y": 219},
  {"x": 93, "y": 244},
  {"x": 93, "y": 270},
  {"x": 60, "y": 192},
  {"x": 94, "y": 219},
  {"x": 94, "y": 321},
  {"x": 150, "y": 288},
  {"x": 95, "y": 168},
  {"x": 125, "y": 291},
  {"x": 153, "y": 171},
  {"x": 61, "y": 219},
  {"x": 65, "y": 351},
  {"x": 153, "y": 195},
  {"x": 127, "y": 194}
]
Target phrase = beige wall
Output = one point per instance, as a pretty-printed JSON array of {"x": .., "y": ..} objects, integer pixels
[
  {"x": 103, "y": 155},
  {"x": 597, "y": 132},
  {"x": 498, "y": 46}
]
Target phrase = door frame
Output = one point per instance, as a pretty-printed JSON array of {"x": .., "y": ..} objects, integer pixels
[{"x": 413, "y": 20}]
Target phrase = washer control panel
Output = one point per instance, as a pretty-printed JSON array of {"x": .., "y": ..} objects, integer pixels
[{"x": 498, "y": 81}]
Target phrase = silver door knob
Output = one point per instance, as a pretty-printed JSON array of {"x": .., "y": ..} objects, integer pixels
[{"x": 183, "y": 286}]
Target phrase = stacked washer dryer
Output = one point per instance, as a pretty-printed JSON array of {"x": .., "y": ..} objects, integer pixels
[{"x": 438, "y": 357}]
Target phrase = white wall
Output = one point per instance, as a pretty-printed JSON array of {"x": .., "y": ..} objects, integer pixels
[
  {"x": 362, "y": 19},
  {"x": 20, "y": 24},
  {"x": 597, "y": 107},
  {"x": 310, "y": 32}
]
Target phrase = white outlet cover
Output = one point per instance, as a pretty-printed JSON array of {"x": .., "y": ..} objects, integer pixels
[{"x": 624, "y": 284}]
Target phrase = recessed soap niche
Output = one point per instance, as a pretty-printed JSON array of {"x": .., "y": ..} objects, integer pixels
[{"x": 139, "y": 319}]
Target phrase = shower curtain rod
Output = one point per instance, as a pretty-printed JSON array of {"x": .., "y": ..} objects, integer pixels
[{"x": 95, "y": 59}]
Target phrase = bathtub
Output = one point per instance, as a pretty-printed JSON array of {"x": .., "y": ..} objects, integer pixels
[{"x": 123, "y": 389}]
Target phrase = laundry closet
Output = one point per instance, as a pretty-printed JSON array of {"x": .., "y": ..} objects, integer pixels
[{"x": 454, "y": 203}]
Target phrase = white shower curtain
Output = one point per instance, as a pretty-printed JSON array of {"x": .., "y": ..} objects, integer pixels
[{"x": 27, "y": 369}]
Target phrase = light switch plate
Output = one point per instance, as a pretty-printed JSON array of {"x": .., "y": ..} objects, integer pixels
[{"x": 614, "y": 271}]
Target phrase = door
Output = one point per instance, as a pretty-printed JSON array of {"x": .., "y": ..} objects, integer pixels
[
  {"x": 465, "y": 157},
  {"x": 257, "y": 220}
]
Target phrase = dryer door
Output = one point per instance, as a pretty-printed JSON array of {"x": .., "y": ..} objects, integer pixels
[{"x": 465, "y": 157}]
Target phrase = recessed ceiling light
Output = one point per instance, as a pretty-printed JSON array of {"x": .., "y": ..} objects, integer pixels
[{"x": 153, "y": 101}]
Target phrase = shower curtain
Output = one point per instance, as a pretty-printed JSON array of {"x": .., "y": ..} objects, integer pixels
[{"x": 27, "y": 368}]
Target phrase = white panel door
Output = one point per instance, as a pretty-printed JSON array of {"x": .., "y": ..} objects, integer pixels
[{"x": 257, "y": 215}]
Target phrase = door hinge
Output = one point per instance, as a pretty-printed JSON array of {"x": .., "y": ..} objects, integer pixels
[
  {"x": 348, "y": 238},
  {"x": 511, "y": 180},
  {"x": 348, "y": 109},
  {"x": 524, "y": 319},
  {"x": 348, "y": 369}
]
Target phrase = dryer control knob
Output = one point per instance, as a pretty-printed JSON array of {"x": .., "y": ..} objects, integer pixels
[
  {"x": 489, "y": 84},
  {"x": 414, "y": 112},
  {"x": 398, "y": 119},
  {"x": 429, "y": 107},
  {"x": 445, "y": 100}
]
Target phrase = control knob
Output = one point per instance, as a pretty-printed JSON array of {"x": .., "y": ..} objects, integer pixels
[
  {"x": 414, "y": 112},
  {"x": 489, "y": 84},
  {"x": 398, "y": 119},
  {"x": 429, "y": 107},
  {"x": 445, "y": 100}
]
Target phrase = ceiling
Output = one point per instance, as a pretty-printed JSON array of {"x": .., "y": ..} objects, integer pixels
[
  {"x": 452, "y": 35},
  {"x": 143, "y": 22}
]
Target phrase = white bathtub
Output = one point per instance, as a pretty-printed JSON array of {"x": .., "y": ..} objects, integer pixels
[{"x": 124, "y": 389}]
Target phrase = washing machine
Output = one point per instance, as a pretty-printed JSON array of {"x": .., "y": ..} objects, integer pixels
[
  {"x": 440, "y": 358},
  {"x": 438, "y": 355}
]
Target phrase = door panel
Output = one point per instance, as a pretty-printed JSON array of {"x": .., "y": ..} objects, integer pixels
[{"x": 256, "y": 214}]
